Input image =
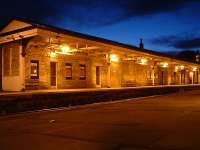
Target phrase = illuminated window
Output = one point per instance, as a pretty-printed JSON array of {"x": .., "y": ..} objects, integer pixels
[
  {"x": 34, "y": 69},
  {"x": 68, "y": 71},
  {"x": 82, "y": 69}
]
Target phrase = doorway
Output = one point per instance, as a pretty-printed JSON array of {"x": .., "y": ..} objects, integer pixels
[
  {"x": 162, "y": 78},
  {"x": 182, "y": 76},
  {"x": 53, "y": 75},
  {"x": 98, "y": 78}
]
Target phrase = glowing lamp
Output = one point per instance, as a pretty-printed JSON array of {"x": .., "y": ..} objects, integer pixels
[
  {"x": 52, "y": 54},
  {"x": 143, "y": 61},
  {"x": 194, "y": 69},
  {"x": 182, "y": 67},
  {"x": 176, "y": 68},
  {"x": 114, "y": 58},
  {"x": 191, "y": 74},
  {"x": 165, "y": 65},
  {"x": 65, "y": 49}
]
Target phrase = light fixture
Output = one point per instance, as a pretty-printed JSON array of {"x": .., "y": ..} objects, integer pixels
[
  {"x": 64, "y": 48},
  {"x": 194, "y": 69},
  {"x": 176, "y": 68},
  {"x": 52, "y": 54},
  {"x": 191, "y": 74},
  {"x": 129, "y": 58},
  {"x": 114, "y": 58},
  {"x": 182, "y": 67},
  {"x": 142, "y": 61},
  {"x": 164, "y": 64}
]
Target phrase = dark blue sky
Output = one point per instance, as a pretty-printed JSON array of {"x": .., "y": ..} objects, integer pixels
[{"x": 165, "y": 25}]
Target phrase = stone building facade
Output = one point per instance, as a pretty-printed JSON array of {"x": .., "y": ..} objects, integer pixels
[{"x": 37, "y": 56}]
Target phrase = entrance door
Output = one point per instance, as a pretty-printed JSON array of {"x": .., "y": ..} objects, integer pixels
[
  {"x": 53, "y": 74},
  {"x": 97, "y": 75},
  {"x": 162, "y": 77},
  {"x": 183, "y": 77}
]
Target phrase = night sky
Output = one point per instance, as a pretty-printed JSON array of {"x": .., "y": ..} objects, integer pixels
[{"x": 165, "y": 25}]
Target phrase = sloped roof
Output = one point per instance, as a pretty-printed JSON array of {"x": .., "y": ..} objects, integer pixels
[{"x": 35, "y": 24}]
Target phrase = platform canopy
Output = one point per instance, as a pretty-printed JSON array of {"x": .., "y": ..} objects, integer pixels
[{"x": 16, "y": 30}]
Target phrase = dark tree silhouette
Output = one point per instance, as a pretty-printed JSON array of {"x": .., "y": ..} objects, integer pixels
[{"x": 188, "y": 55}]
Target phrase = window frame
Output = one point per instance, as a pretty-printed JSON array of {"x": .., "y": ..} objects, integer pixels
[
  {"x": 70, "y": 66},
  {"x": 36, "y": 62},
  {"x": 80, "y": 70}
]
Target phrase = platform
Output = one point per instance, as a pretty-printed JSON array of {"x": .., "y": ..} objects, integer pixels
[{"x": 14, "y": 102}]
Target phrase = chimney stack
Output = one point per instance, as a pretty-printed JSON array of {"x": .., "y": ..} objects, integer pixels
[{"x": 141, "y": 44}]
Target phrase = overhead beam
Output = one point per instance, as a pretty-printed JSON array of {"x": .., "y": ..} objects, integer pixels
[{"x": 18, "y": 36}]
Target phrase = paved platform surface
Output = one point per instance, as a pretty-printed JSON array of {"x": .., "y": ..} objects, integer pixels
[
  {"x": 170, "y": 122},
  {"x": 30, "y": 92}
]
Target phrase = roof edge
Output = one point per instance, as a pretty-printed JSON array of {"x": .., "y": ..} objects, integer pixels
[{"x": 94, "y": 38}]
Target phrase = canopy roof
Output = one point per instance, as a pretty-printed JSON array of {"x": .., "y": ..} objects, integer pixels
[{"x": 17, "y": 25}]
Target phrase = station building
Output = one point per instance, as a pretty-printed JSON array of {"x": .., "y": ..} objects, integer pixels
[{"x": 37, "y": 56}]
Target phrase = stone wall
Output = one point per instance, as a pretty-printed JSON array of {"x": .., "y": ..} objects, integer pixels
[
  {"x": 11, "y": 59},
  {"x": 125, "y": 73},
  {"x": 37, "y": 51},
  {"x": 12, "y": 67}
]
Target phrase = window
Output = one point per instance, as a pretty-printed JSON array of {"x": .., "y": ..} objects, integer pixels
[
  {"x": 34, "y": 69},
  {"x": 68, "y": 71},
  {"x": 82, "y": 72},
  {"x": 7, "y": 61},
  {"x": 11, "y": 60}
]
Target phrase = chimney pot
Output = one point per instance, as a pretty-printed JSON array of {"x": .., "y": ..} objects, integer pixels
[{"x": 141, "y": 44}]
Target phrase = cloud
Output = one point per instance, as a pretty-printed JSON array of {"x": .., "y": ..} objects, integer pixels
[
  {"x": 36, "y": 10},
  {"x": 187, "y": 42},
  {"x": 88, "y": 12},
  {"x": 106, "y": 12}
]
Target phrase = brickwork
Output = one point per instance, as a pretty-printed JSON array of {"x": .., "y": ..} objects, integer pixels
[{"x": 125, "y": 73}]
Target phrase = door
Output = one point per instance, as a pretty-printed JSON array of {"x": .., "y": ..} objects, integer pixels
[
  {"x": 183, "y": 77},
  {"x": 97, "y": 75},
  {"x": 162, "y": 77},
  {"x": 53, "y": 77}
]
